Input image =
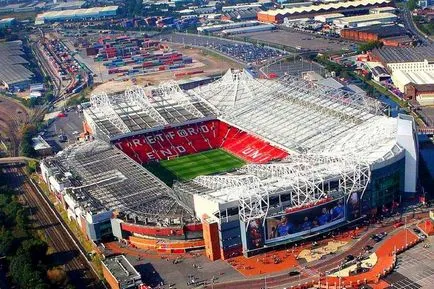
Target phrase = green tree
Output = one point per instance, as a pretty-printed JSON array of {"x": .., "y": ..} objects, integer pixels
[
  {"x": 411, "y": 5},
  {"x": 370, "y": 45},
  {"x": 6, "y": 242}
]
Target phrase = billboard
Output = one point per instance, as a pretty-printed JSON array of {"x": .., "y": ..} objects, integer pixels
[
  {"x": 305, "y": 221},
  {"x": 255, "y": 235}
]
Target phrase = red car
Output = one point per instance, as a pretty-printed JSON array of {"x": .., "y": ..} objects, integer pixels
[{"x": 399, "y": 224}]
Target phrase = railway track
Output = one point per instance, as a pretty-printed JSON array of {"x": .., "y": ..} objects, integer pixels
[{"x": 66, "y": 252}]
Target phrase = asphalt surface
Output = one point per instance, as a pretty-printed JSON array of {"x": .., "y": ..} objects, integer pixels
[
  {"x": 239, "y": 51},
  {"x": 65, "y": 251},
  {"x": 300, "y": 40},
  {"x": 415, "y": 267},
  {"x": 409, "y": 24},
  {"x": 69, "y": 125}
]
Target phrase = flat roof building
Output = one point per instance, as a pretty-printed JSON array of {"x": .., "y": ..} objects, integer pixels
[
  {"x": 13, "y": 74},
  {"x": 364, "y": 20},
  {"x": 420, "y": 58},
  {"x": 120, "y": 273},
  {"x": 77, "y": 14},
  {"x": 41, "y": 147},
  {"x": 278, "y": 15},
  {"x": 378, "y": 10},
  {"x": 328, "y": 18}
]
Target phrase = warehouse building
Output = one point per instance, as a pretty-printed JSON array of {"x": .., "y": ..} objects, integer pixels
[
  {"x": 120, "y": 273},
  {"x": 423, "y": 93},
  {"x": 328, "y": 18},
  {"x": 7, "y": 22},
  {"x": 402, "y": 78},
  {"x": 251, "y": 29},
  {"x": 220, "y": 27},
  {"x": 420, "y": 58},
  {"x": 13, "y": 74},
  {"x": 350, "y": 7},
  {"x": 77, "y": 14},
  {"x": 389, "y": 34},
  {"x": 378, "y": 10},
  {"x": 365, "y": 20}
]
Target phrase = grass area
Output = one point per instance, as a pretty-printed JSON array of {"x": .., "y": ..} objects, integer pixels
[{"x": 188, "y": 167}]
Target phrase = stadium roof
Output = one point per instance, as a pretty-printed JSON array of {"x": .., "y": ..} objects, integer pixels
[
  {"x": 103, "y": 178},
  {"x": 331, "y": 134},
  {"x": 324, "y": 7},
  {"x": 144, "y": 109},
  {"x": 405, "y": 54}
]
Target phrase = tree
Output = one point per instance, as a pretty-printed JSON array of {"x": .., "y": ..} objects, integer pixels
[
  {"x": 6, "y": 242},
  {"x": 370, "y": 45},
  {"x": 411, "y": 5}
]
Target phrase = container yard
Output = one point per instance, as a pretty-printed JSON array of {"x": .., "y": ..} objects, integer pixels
[{"x": 128, "y": 56}]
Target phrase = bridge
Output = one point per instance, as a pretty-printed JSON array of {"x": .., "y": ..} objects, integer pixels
[{"x": 16, "y": 160}]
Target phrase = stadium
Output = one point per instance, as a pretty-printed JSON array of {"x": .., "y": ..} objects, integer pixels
[{"x": 237, "y": 166}]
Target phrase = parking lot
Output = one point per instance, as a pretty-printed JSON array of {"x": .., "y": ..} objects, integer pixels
[
  {"x": 155, "y": 271},
  {"x": 300, "y": 41},
  {"x": 70, "y": 124},
  {"x": 242, "y": 52},
  {"x": 415, "y": 268}
]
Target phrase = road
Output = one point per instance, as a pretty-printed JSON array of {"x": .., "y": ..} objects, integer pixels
[
  {"x": 409, "y": 24},
  {"x": 311, "y": 273},
  {"x": 65, "y": 251}
]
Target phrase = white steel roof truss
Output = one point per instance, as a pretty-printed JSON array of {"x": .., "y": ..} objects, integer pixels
[
  {"x": 101, "y": 102},
  {"x": 137, "y": 95}
]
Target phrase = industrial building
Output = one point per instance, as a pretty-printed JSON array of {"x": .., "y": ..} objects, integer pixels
[
  {"x": 328, "y": 18},
  {"x": 365, "y": 20},
  {"x": 13, "y": 73},
  {"x": 421, "y": 78},
  {"x": 251, "y": 29},
  {"x": 378, "y": 10},
  {"x": 407, "y": 59},
  {"x": 389, "y": 34},
  {"x": 41, "y": 146},
  {"x": 7, "y": 22},
  {"x": 349, "y": 7},
  {"x": 220, "y": 27},
  {"x": 120, "y": 273},
  {"x": 77, "y": 14}
]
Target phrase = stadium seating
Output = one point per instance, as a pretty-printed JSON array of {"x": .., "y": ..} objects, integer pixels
[{"x": 193, "y": 138}]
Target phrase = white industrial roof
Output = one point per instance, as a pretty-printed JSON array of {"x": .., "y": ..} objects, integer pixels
[
  {"x": 416, "y": 77},
  {"x": 329, "y": 6},
  {"x": 366, "y": 18},
  {"x": 75, "y": 12}
]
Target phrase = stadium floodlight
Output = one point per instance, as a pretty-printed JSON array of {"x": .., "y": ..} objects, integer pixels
[
  {"x": 252, "y": 195},
  {"x": 101, "y": 102},
  {"x": 137, "y": 95}
]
